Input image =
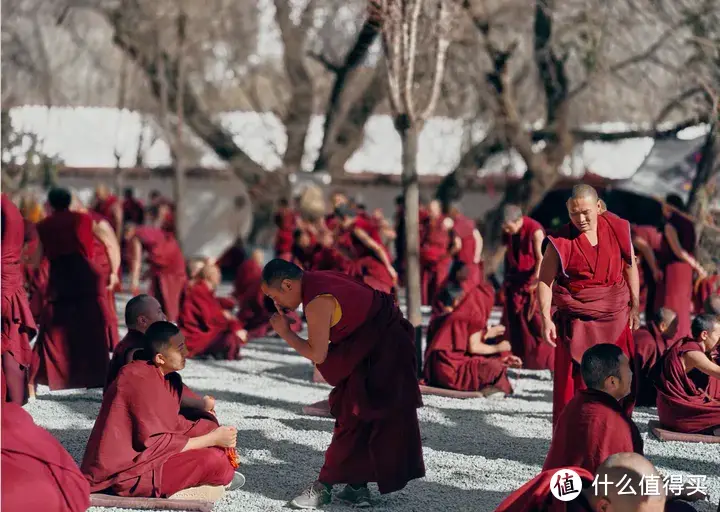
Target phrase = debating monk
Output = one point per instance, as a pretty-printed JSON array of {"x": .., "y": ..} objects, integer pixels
[
  {"x": 38, "y": 474},
  {"x": 467, "y": 248},
  {"x": 593, "y": 426},
  {"x": 651, "y": 342},
  {"x": 522, "y": 249},
  {"x": 140, "y": 445},
  {"x": 72, "y": 346},
  {"x": 683, "y": 401},
  {"x": 589, "y": 277},
  {"x": 18, "y": 324},
  {"x": 364, "y": 348},
  {"x": 435, "y": 259}
]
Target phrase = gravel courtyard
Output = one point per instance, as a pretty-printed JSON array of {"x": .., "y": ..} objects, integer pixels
[{"x": 476, "y": 451}]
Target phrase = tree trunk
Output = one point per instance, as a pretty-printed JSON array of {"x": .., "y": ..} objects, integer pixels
[{"x": 707, "y": 169}]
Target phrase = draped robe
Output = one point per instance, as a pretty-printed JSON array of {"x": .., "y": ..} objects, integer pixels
[
  {"x": 648, "y": 286},
  {"x": 705, "y": 289},
  {"x": 591, "y": 300},
  {"x": 36, "y": 278},
  {"x": 464, "y": 228},
  {"x": 364, "y": 264},
  {"x": 435, "y": 259},
  {"x": 285, "y": 220},
  {"x": 102, "y": 263},
  {"x": 105, "y": 208},
  {"x": 650, "y": 346}
]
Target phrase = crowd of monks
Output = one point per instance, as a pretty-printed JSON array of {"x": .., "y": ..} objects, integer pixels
[{"x": 571, "y": 303}]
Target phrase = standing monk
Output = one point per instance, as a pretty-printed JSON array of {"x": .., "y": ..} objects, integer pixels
[
  {"x": 133, "y": 209},
  {"x": 677, "y": 256},
  {"x": 72, "y": 348},
  {"x": 591, "y": 262},
  {"x": 167, "y": 265},
  {"x": 522, "y": 248},
  {"x": 18, "y": 324},
  {"x": 435, "y": 257},
  {"x": 647, "y": 241},
  {"x": 109, "y": 207},
  {"x": 363, "y": 347}
]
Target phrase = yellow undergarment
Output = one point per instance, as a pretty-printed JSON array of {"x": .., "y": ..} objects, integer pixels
[{"x": 337, "y": 312}]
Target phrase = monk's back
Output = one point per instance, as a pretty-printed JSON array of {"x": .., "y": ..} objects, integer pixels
[
  {"x": 164, "y": 253},
  {"x": 353, "y": 297},
  {"x": 64, "y": 233}
]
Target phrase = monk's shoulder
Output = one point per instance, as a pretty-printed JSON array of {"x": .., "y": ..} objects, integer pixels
[
  {"x": 134, "y": 376},
  {"x": 531, "y": 225},
  {"x": 616, "y": 221}
]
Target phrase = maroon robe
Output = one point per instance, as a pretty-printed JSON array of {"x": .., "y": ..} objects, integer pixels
[
  {"x": 676, "y": 291},
  {"x": 133, "y": 340},
  {"x": 522, "y": 315},
  {"x": 167, "y": 268},
  {"x": 365, "y": 264},
  {"x": 650, "y": 345},
  {"x": 372, "y": 368},
  {"x": 448, "y": 362},
  {"x": 102, "y": 263},
  {"x": 36, "y": 278},
  {"x": 464, "y": 228},
  {"x": 535, "y": 495},
  {"x": 133, "y": 211},
  {"x": 683, "y": 405},
  {"x": 705, "y": 289},
  {"x": 648, "y": 286},
  {"x": 207, "y": 330},
  {"x": 38, "y": 474},
  {"x": 105, "y": 208},
  {"x": 72, "y": 348},
  {"x": 285, "y": 220},
  {"x": 18, "y": 324},
  {"x": 135, "y": 448},
  {"x": 435, "y": 259},
  {"x": 591, "y": 427},
  {"x": 591, "y": 300}
]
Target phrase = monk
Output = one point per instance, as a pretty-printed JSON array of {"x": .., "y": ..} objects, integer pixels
[
  {"x": 18, "y": 324},
  {"x": 651, "y": 343},
  {"x": 209, "y": 329},
  {"x": 285, "y": 220},
  {"x": 435, "y": 259},
  {"x": 522, "y": 249},
  {"x": 38, "y": 474},
  {"x": 647, "y": 241},
  {"x": 687, "y": 371},
  {"x": 370, "y": 260},
  {"x": 161, "y": 212},
  {"x": 712, "y": 305},
  {"x": 317, "y": 253},
  {"x": 596, "y": 295},
  {"x": 132, "y": 208},
  {"x": 72, "y": 346},
  {"x": 140, "y": 445},
  {"x": 468, "y": 246},
  {"x": 592, "y": 425},
  {"x": 363, "y": 347},
  {"x": 677, "y": 257},
  {"x": 36, "y": 277},
  {"x": 167, "y": 265},
  {"x": 140, "y": 313},
  {"x": 705, "y": 290},
  {"x": 110, "y": 208}
]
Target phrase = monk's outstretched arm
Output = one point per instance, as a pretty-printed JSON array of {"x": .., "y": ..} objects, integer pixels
[
  {"x": 672, "y": 238},
  {"x": 478, "y": 246},
  {"x": 374, "y": 247},
  {"x": 633, "y": 280},
  {"x": 117, "y": 213},
  {"x": 696, "y": 359},
  {"x": 104, "y": 232},
  {"x": 319, "y": 315},
  {"x": 548, "y": 270},
  {"x": 136, "y": 251},
  {"x": 538, "y": 237},
  {"x": 479, "y": 347},
  {"x": 648, "y": 255}
]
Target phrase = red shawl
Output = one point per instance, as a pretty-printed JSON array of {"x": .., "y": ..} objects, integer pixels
[{"x": 535, "y": 495}]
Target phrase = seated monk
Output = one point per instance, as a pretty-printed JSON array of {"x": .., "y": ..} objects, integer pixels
[
  {"x": 647, "y": 241},
  {"x": 651, "y": 342},
  {"x": 687, "y": 372},
  {"x": 208, "y": 328},
  {"x": 140, "y": 445},
  {"x": 459, "y": 355},
  {"x": 705, "y": 289},
  {"x": 593, "y": 425},
  {"x": 363, "y": 347},
  {"x": 38, "y": 474},
  {"x": 632, "y": 468}
]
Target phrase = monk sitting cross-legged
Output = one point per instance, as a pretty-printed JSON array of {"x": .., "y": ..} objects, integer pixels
[
  {"x": 592, "y": 425},
  {"x": 458, "y": 355},
  {"x": 684, "y": 401},
  {"x": 208, "y": 328},
  {"x": 141, "y": 445},
  {"x": 651, "y": 343},
  {"x": 363, "y": 347},
  {"x": 592, "y": 266}
]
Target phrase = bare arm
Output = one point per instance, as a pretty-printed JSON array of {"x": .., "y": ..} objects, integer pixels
[
  {"x": 375, "y": 247},
  {"x": 136, "y": 251},
  {"x": 206, "y": 441},
  {"x": 647, "y": 253},
  {"x": 698, "y": 360},
  {"x": 319, "y": 315},
  {"x": 162, "y": 212},
  {"x": 104, "y": 232},
  {"x": 538, "y": 237},
  {"x": 497, "y": 258},
  {"x": 548, "y": 270},
  {"x": 117, "y": 214},
  {"x": 456, "y": 245},
  {"x": 633, "y": 280},
  {"x": 478, "y": 246},
  {"x": 672, "y": 239},
  {"x": 479, "y": 347}
]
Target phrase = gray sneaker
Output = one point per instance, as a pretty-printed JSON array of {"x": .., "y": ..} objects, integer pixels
[
  {"x": 358, "y": 496},
  {"x": 237, "y": 482},
  {"x": 315, "y": 496}
]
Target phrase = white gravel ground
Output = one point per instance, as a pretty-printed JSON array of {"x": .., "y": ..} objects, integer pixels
[{"x": 476, "y": 451}]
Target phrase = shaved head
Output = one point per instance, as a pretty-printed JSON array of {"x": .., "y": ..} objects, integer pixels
[
  {"x": 632, "y": 469},
  {"x": 282, "y": 282},
  {"x": 584, "y": 190},
  {"x": 511, "y": 213},
  {"x": 584, "y": 206},
  {"x": 712, "y": 305},
  {"x": 142, "y": 311},
  {"x": 664, "y": 315}
]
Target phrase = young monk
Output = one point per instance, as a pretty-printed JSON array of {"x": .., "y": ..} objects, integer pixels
[
  {"x": 285, "y": 221},
  {"x": 72, "y": 348},
  {"x": 38, "y": 474},
  {"x": 683, "y": 401},
  {"x": 593, "y": 426},
  {"x": 363, "y": 347},
  {"x": 677, "y": 257},
  {"x": 467, "y": 248},
  {"x": 110, "y": 208},
  {"x": 167, "y": 265},
  {"x": 208, "y": 328},
  {"x": 647, "y": 241},
  {"x": 591, "y": 264},
  {"x": 522, "y": 249},
  {"x": 153, "y": 450},
  {"x": 435, "y": 259},
  {"x": 18, "y": 324},
  {"x": 651, "y": 343},
  {"x": 459, "y": 355}
]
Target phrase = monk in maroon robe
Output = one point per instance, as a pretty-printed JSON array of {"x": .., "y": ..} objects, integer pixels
[
  {"x": 132, "y": 208},
  {"x": 467, "y": 247},
  {"x": 364, "y": 348},
  {"x": 651, "y": 343},
  {"x": 152, "y": 450},
  {"x": 18, "y": 324},
  {"x": 161, "y": 212},
  {"x": 72, "y": 346},
  {"x": 683, "y": 400},
  {"x": 167, "y": 265},
  {"x": 678, "y": 261},
  {"x": 647, "y": 241},
  {"x": 435, "y": 259},
  {"x": 36, "y": 277},
  {"x": 522, "y": 248},
  {"x": 705, "y": 289},
  {"x": 596, "y": 291},
  {"x": 208, "y": 328},
  {"x": 592, "y": 425},
  {"x": 38, "y": 474},
  {"x": 110, "y": 208},
  {"x": 285, "y": 221}
]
